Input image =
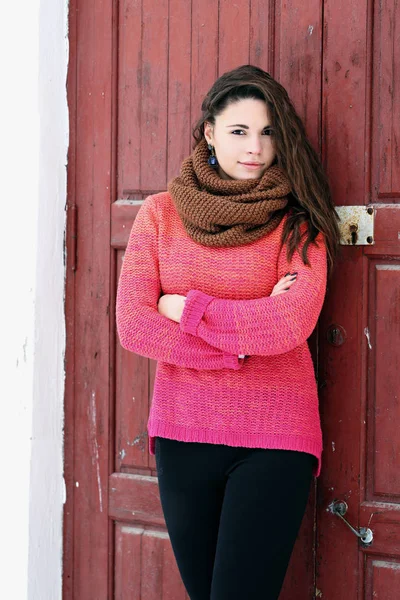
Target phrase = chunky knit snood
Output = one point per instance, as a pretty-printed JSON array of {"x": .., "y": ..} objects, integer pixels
[{"x": 221, "y": 213}]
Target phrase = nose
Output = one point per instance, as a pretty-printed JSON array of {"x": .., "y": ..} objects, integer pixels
[{"x": 254, "y": 145}]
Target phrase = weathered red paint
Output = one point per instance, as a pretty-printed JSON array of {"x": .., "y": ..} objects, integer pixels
[
  {"x": 88, "y": 530},
  {"x": 359, "y": 380},
  {"x": 138, "y": 71}
]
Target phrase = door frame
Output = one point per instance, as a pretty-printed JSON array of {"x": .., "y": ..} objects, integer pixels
[{"x": 91, "y": 184}]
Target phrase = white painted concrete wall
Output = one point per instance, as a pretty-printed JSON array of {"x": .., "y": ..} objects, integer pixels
[{"x": 33, "y": 157}]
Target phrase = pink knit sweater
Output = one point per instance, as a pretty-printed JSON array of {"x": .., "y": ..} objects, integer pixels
[{"x": 203, "y": 390}]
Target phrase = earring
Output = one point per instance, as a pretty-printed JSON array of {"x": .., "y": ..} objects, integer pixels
[{"x": 212, "y": 160}]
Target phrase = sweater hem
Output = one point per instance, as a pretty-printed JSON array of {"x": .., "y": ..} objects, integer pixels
[{"x": 236, "y": 439}]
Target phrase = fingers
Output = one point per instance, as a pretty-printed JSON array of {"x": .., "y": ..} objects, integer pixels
[
  {"x": 292, "y": 278},
  {"x": 284, "y": 284},
  {"x": 287, "y": 281}
]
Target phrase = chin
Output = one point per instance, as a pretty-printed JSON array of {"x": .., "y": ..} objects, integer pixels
[
  {"x": 238, "y": 176},
  {"x": 255, "y": 175}
]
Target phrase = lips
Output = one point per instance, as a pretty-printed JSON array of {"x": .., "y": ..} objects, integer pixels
[{"x": 253, "y": 165}]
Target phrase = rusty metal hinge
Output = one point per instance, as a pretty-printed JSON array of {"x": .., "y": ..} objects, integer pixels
[{"x": 356, "y": 225}]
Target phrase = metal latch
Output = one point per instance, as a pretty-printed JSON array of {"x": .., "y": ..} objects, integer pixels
[
  {"x": 339, "y": 508},
  {"x": 356, "y": 225}
]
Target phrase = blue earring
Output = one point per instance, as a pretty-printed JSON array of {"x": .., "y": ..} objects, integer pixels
[{"x": 212, "y": 160}]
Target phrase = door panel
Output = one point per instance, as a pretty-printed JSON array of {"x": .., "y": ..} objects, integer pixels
[
  {"x": 385, "y": 121},
  {"x": 145, "y": 566}
]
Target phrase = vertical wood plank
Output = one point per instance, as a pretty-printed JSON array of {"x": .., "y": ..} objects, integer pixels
[
  {"x": 339, "y": 382},
  {"x": 234, "y": 31},
  {"x": 204, "y": 52},
  {"x": 298, "y": 60},
  {"x": 162, "y": 582},
  {"x": 344, "y": 99},
  {"x": 132, "y": 392},
  {"x": 385, "y": 65},
  {"x": 129, "y": 96},
  {"x": 395, "y": 89},
  {"x": 154, "y": 89},
  {"x": 385, "y": 329},
  {"x": 179, "y": 67},
  {"x": 131, "y": 410},
  {"x": 91, "y": 384},
  {"x": 386, "y": 102},
  {"x": 70, "y": 308},
  {"x": 262, "y": 32},
  {"x": 383, "y": 580},
  {"x": 145, "y": 567},
  {"x": 128, "y": 562}
]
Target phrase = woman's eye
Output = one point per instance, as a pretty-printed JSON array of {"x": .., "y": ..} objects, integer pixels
[{"x": 242, "y": 132}]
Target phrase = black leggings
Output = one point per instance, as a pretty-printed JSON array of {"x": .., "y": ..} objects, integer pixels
[{"x": 233, "y": 515}]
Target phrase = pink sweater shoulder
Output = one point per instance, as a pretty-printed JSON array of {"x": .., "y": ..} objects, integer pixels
[{"x": 140, "y": 326}]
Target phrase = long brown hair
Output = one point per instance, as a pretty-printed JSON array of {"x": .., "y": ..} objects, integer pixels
[{"x": 310, "y": 200}]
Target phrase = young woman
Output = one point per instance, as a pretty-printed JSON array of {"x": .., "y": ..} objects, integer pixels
[{"x": 223, "y": 281}]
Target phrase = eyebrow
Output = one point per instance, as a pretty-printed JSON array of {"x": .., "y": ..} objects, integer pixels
[{"x": 246, "y": 126}]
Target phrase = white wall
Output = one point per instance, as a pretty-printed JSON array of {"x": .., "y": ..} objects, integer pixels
[{"x": 33, "y": 156}]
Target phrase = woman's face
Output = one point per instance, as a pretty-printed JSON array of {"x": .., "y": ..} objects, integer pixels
[{"x": 242, "y": 140}]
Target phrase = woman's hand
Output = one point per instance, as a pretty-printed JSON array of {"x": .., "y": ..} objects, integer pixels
[
  {"x": 171, "y": 306},
  {"x": 284, "y": 284}
]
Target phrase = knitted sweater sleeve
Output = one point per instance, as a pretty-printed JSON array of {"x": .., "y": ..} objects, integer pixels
[
  {"x": 141, "y": 328},
  {"x": 267, "y": 325}
]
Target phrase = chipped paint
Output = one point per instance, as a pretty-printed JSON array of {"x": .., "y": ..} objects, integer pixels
[
  {"x": 95, "y": 445},
  {"x": 310, "y": 29},
  {"x": 139, "y": 438},
  {"x": 386, "y": 564},
  {"x": 333, "y": 447},
  {"x": 366, "y": 331}
]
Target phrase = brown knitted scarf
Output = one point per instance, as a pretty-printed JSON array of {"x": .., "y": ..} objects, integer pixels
[{"x": 218, "y": 212}]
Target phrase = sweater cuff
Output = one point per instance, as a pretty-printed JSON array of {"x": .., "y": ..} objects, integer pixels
[
  {"x": 233, "y": 361},
  {"x": 195, "y": 306}
]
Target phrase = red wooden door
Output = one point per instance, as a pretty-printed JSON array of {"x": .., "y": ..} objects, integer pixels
[
  {"x": 359, "y": 377},
  {"x": 138, "y": 71}
]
